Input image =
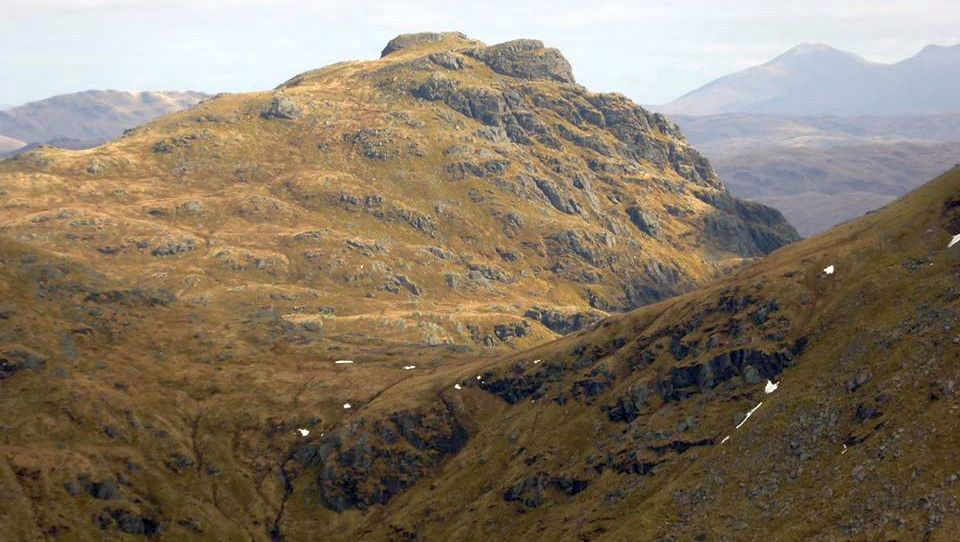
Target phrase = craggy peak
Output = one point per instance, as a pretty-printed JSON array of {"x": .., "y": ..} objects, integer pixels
[
  {"x": 453, "y": 294},
  {"x": 525, "y": 59}
]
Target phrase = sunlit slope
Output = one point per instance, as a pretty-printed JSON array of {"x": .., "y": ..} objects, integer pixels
[{"x": 439, "y": 192}]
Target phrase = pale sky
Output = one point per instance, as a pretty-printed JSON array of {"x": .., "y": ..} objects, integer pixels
[{"x": 651, "y": 50}]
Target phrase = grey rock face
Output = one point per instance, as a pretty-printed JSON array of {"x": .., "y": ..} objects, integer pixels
[
  {"x": 365, "y": 465},
  {"x": 644, "y": 221},
  {"x": 527, "y": 59},
  {"x": 14, "y": 361},
  {"x": 743, "y": 227},
  {"x": 562, "y": 322},
  {"x": 284, "y": 108},
  {"x": 447, "y": 60},
  {"x": 106, "y": 490},
  {"x": 751, "y": 375},
  {"x": 395, "y": 283},
  {"x": 129, "y": 523},
  {"x": 405, "y": 41},
  {"x": 173, "y": 248},
  {"x": 562, "y": 204}
]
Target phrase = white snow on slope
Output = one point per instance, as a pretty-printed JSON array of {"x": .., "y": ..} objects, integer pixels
[{"x": 747, "y": 417}]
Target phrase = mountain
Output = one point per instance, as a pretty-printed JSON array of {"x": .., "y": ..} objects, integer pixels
[
  {"x": 820, "y": 171},
  {"x": 808, "y": 396},
  {"x": 86, "y": 119},
  {"x": 8, "y": 144},
  {"x": 236, "y": 323},
  {"x": 452, "y": 192},
  {"x": 820, "y": 80}
]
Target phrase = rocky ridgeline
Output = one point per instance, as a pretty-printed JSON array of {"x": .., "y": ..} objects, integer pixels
[
  {"x": 627, "y": 380},
  {"x": 370, "y": 461}
]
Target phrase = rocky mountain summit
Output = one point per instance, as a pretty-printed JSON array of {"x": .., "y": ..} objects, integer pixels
[{"x": 439, "y": 193}]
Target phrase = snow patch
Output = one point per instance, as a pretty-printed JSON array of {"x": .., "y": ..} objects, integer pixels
[
  {"x": 771, "y": 387},
  {"x": 304, "y": 432},
  {"x": 343, "y": 361},
  {"x": 457, "y": 387},
  {"x": 409, "y": 367},
  {"x": 750, "y": 413},
  {"x": 829, "y": 269},
  {"x": 726, "y": 438},
  {"x": 955, "y": 240},
  {"x": 536, "y": 361},
  {"x": 844, "y": 450},
  {"x": 347, "y": 406}
]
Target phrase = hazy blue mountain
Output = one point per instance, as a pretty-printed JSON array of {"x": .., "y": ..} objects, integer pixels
[
  {"x": 814, "y": 79},
  {"x": 91, "y": 117},
  {"x": 9, "y": 144},
  {"x": 820, "y": 171}
]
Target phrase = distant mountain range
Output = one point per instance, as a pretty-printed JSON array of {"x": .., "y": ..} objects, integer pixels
[
  {"x": 86, "y": 119},
  {"x": 824, "y": 135},
  {"x": 820, "y": 171},
  {"x": 813, "y": 79},
  {"x": 9, "y": 144}
]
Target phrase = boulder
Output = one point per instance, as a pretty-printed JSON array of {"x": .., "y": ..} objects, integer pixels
[
  {"x": 282, "y": 107},
  {"x": 646, "y": 222}
]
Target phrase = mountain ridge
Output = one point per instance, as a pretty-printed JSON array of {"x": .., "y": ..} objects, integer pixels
[
  {"x": 89, "y": 118},
  {"x": 821, "y": 80}
]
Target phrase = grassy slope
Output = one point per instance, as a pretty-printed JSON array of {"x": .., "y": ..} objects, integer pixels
[
  {"x": 130, "y": 387},
  {"x": 878, "y": 375},
  {"x": 237, "y": 189},
  {"x": 192, "y": 406}
]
